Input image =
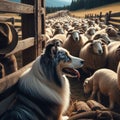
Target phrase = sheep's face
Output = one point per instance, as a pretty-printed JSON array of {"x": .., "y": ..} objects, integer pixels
[
  {"x": 87, "y": 87},
  {"x": 91, "y": 31},
  {"x": 97, "y": 47},
  {"x": 111, "y": 32},
  {"x": 105, "y": 38},
  {"x": 76, "y": 36}
]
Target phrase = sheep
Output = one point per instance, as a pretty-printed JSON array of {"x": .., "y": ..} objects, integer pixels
[
  {"x": 74, "y": 42},
  {"x": 104, "y": 37},
  {"x": 58, "y": 30},
  {"x": 90, "y": 32},
  {"x": 95, "y": 55},
  {"x": 112, "y": 33},
  {"x": 106, "y": 82},
  {"x": 113, "y": 55},
  {"x": 49, "y": 32}
]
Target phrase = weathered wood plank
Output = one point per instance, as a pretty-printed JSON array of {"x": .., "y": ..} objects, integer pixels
[
  {"x": 116, "y": 25},
  {"x": 115, "y": 14},
  {"x": 12, "y": 78},
  {"x": 22, "y": 45},
  {"x": 12, "y": 7},
  {"x": 115, "y": 20}
]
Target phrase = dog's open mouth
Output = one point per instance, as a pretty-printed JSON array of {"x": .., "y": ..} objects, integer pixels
[{"x": 72, "y": 72}]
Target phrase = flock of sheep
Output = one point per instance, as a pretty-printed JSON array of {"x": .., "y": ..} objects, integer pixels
[{"x": 99, "y": 45}]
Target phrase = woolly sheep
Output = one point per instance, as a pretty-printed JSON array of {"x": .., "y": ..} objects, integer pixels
[
  {"x": 104, "y": 81},
  {"x": 90, "y": 32},
  {"x": 113, "y": 55},
  {"x": 104, "y": 37},
  {"x": 95, "y": 55},
  {"x": 58, "y": 38},
  {"x": 74, "y": 42},
  {"x": 113, "y": 33}
]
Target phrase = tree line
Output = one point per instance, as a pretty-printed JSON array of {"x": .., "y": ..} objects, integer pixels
[{"x": 81, "y": 4}]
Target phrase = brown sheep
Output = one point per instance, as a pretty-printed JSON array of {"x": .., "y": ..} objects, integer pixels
[
  {"x": 74, "y": 42},
  {"x": 106, "y": 82},
  {"x": 95, "y": 55},
  {"x": 113, "y": 55}
]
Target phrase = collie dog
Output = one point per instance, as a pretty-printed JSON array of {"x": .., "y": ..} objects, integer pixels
[{"x": 44, "y": 90}]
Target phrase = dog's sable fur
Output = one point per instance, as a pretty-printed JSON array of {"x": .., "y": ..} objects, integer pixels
[{"x": 43, "y": 90}]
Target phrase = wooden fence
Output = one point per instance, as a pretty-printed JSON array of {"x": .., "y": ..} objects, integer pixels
[
  {"x": 108, "y": 18},
  {"x": 32, "y": 17}
]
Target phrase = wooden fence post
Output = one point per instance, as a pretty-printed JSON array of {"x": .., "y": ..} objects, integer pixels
[
  {"x": 107, "y": 17},
  {"x": 100, "y": 16},
  {"x": 39, "y": 25}
]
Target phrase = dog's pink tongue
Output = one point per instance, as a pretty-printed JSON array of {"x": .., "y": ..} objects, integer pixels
[{"x": 77, "y": 73}]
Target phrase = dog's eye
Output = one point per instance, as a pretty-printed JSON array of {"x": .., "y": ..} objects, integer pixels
[
  {"x": 67, "y": 58},
  {"x": 63, "y": 56}
]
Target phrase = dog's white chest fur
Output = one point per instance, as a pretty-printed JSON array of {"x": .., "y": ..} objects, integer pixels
[{"x": 66, "y": 94}]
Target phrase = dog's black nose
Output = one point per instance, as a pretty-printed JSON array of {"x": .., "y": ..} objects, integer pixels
[{"x": 82, "y": 61}]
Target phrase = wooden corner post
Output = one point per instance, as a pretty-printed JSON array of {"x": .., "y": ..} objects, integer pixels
[{"x": 39, "y": 24}]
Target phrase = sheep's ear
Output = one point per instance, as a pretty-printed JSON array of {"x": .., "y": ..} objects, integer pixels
[
  {"x": 102, "y": 41},
  {"x": 81, "y": 31},
  {"x": 69, "y": 32},
  {"x": 97, "y": 36}
]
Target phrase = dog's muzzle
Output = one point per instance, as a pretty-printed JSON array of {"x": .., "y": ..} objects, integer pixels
[{"x": 73, "y": 72}]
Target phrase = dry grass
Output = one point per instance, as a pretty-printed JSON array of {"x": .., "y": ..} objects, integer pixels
[{"x": 112, "y": 7}]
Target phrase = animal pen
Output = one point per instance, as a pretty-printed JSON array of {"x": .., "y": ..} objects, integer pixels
[
  {"x": 31, "y": 34},
  {"x": 31, "y": 42}
]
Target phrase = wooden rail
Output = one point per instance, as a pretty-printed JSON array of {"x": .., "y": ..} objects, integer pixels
[
  {"x": 31, "y": 16},
  {"x": 108, "y": 18}
]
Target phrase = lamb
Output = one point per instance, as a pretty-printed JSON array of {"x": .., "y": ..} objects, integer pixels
[
  {"x": 94, "y": 52},
  {"x": 74, "y": 42},
  {"x": 113, "y": 55},
  {"x": 106, "y": 82}
]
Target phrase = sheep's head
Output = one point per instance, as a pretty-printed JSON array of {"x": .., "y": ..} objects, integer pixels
[
  {"x": 111, "y": 32},
  {"x": 104, "y": 37},
  {"x": 91, "y": 31},
  {"x": 75, "y": 34},
  {"x": 97, "y": 47},
  {"x": 87, "y": 87}
]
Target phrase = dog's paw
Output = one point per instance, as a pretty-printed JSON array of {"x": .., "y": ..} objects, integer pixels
[{"x": 65, "y": 117}]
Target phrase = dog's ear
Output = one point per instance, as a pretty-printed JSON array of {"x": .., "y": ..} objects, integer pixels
[
  {"x": 51, "y": 49},
  {"x": 48, "y": 50},
  {"x": 54, "y": 49}
]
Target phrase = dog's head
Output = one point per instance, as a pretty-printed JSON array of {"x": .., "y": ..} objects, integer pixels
[{"x": 60, "y": 62}]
